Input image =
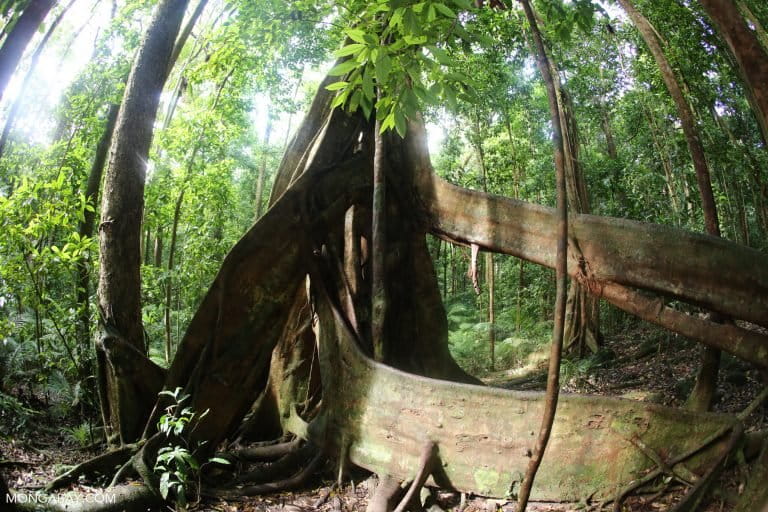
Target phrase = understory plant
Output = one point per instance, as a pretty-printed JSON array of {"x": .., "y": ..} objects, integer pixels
[{"x": 177, "y": 464}]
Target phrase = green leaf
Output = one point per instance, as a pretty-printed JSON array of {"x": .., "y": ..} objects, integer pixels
[
  {"x": 388, "y": 122},
  {"x": 350, "y": 49},
  {"x": 415, "y": 39},
  {"x": 354, "y": 101},
  {"x": 441, "y": 55},
  {"x": 355, "y": 34},
  {"x": 447, "y": 11},
  {"x": 383, "y": 67},
  {"x": 219, "y": 460},
  {"x": 400, "y": 123},
  {"x": 397, "y": 17},
  {"x": 368, "y": 83},
  {"x": 411, "y": 23},
  {"x": 463, "y": 4},
  {"x": 367, "y": 105},
  {"x": 335, "y": 86},
  {"x": 164, "y": 485},
  {"x": 343, "y": 68}
]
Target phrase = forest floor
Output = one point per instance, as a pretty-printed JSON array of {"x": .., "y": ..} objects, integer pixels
[{"x": 643, "y": 364}]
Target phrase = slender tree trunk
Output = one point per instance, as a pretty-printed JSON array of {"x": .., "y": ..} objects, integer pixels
[
  {"x": 751, "y": 57},
  {"x": 13, "y": 112},
  {"x": 378, "y": 244},
  {"x": 561, "y": 268},
  {"x": 582, "y": 311},
  {"x": 86, "y": 226},
  {"x": 169, "y": 277},
  {"x": 706, "y": 381},
  {"x": 489, "y": 270},
  {"x": 185, "y": 33},
  {"x": 19, "y": 37},
  {"x": 181, "y": 86},
  {"x": 157, "y": 252},
  {"x": 121, "y": 216}
]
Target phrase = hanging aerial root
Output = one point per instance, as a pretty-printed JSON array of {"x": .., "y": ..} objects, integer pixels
[{"x": 105, "y": 463}]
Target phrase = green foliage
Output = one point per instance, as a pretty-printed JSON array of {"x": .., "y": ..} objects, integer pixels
[
  {"x": 81, "y": 435},
  {"x": 403, "y": 49},
  {"x": 468, "y": 337},
  {"x": 177, "y": 464},
  {"x": 14, "y": 416}
]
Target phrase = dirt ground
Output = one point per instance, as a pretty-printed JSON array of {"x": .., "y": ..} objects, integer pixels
[{"x": 643, "y": 364}]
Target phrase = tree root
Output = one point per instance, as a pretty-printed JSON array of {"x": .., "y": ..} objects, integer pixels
[
  {"x": 277, "y": 469},
  {"x": 691, "y": 501},
  {"x": 269, "y": 452},
  {"x": 104, "y": 463},
  {"x": 702, "y": 485},
  {"x": 426, "y": 466},
  {"x": 126, "y": 498},
  {"x": 255, "y": 490},
  {"x": 387, "y": 491}
]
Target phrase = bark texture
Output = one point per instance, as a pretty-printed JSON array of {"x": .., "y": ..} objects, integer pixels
[
  {"x": 485, "y": 436},
  {"x": 123, "y": 201}
]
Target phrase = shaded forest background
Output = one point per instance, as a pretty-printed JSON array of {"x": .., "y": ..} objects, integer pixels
[{"x": 238, "y": 86}]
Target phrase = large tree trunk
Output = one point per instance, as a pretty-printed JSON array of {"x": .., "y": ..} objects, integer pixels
[
  {"x": 121, "y": 215},
  {"x": 18, "y": 38},
  {"x": 751, "y": 57},
  {"x": 319, "y": 224}
]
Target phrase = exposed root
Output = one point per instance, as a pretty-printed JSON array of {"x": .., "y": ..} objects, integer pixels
[
  {"x": 126, "y": 498},
  {"x": 703, "y": 483},
  {"x": 691, "y": 501},
  {"x": 104, "y": 463},
  {"x": 756, "y": 492},
  {"x": 269, "y": 452},
  {"x": 387, "y": 491},
  {"x": 426, "y": 466},
  {"x": 282, "y": 466},
  {"x": 125, "y": 471},
  {"x": 266, "y": 488}
]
